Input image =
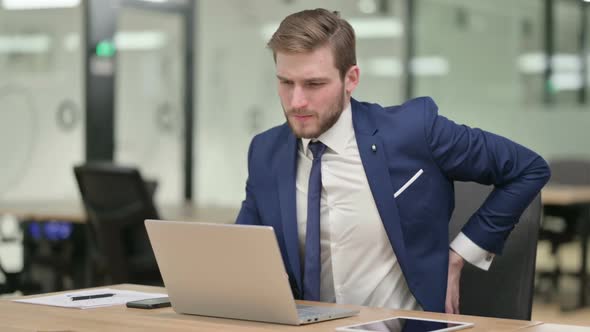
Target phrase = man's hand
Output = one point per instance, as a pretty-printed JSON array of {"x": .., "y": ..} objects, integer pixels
[{"x": 455, "y": 266}]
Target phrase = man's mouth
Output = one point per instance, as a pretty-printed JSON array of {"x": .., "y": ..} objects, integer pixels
[{"x": 302, "y": 117}]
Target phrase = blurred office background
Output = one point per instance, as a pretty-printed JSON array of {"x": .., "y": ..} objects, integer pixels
[{"x": 516, "y": 68}]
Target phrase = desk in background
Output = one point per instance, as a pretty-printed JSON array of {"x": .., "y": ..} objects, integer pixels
[
  {"x": 578, "y": 198},
  {"x": 565, "y": 195},
  {"x": 27, "y": 317},
  {"x": 73, "y": 211}
]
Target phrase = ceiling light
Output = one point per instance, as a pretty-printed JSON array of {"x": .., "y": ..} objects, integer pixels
[
  {"x": 376, "y": 27},
  {"x": 430, "y": 66},
  {"x": 367, "y": 6},
  {"x": 364, "y": 28},
  {"x": 566, "y": 81},
  {"x": 530, "y": 63},
  {"x": 382, "y": 66},
  {"x": 24, "y": 44},
  {"x": 139, "y": 40},
  {"x": 38, "y": 4}
]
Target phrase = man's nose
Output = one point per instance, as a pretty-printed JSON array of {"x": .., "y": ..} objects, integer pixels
[{"x": 298, "y": 99}]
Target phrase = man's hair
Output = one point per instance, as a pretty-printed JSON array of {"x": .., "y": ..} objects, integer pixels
[{"x": 311, "y": 29}]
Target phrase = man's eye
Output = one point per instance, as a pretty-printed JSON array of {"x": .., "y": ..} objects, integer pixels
[
  {"x": 286, "y": 83},
  {"x": 315, "y": 84}
]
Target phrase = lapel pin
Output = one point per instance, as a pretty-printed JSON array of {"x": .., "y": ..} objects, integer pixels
[{"x": 374, "y": 148}]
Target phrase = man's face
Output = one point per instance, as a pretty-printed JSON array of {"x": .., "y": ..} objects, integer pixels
[{"x": 311, "y": 91}]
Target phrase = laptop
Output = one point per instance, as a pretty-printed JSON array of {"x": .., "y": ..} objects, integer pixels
[{"x": 229, "y": 271}]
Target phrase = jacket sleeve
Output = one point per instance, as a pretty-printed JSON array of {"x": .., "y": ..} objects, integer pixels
[
  {"x": 468, "y": 154},
  {"x": 249, "y": 211}
]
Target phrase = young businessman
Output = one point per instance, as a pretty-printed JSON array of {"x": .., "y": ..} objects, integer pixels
[{"x": 360, "y": 195}]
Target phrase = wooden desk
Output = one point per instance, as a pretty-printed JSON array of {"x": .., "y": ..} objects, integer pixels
[
  {"x": 28, "y": 317},
  {"x": 555, "y": 328},
  {"x": 45, "y": 210},
  {"x": 576, "y": 198},
  {"x": 74, "y": 211},
  {"x": 565, "y": 195}
]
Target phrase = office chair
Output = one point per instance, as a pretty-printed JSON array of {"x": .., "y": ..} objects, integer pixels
[
  {"x": 117, "y": 201},
  {"x": 506, "y": 289},
  {"x": 567, "y": 227}
]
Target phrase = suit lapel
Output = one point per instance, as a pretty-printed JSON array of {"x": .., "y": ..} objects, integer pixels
[
  {"x": 287, "y": 171},
  {"x": 375, "y": 165}
]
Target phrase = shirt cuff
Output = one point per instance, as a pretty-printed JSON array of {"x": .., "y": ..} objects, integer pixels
[{"x": 471, "y": 252}]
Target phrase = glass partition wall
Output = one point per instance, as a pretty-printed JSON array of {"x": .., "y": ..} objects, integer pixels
[
  {"x": 149, "y": 90},
  {"x": 483, "y": 63},
  {"x": 41, "y": 98},
  {"x": 237, "y": 96},
  {"x": 493, "y": 56}
]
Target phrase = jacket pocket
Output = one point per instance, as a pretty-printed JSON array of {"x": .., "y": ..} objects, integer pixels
[{"x": 408, "y": 184}]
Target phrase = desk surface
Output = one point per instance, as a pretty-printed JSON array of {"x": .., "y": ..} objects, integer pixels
[
  {"x": 565, "y": 195},
  {"x": 29, "y": 317},
  {"x": 74, "y": 211},
  {"x": 554, "y": 328}
]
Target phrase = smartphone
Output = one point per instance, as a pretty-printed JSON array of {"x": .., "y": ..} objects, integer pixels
[{"x": 159, "y": 302}]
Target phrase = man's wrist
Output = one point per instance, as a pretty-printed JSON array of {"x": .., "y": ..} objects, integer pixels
[
  {"x": 471, "y": 252},
  {"x": 455, "y": 259}
]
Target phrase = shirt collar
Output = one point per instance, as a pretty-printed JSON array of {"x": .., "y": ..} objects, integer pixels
[{"x": 337, "y": 136}]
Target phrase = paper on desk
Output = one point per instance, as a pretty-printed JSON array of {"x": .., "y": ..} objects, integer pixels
[{"x": 65, "y": 300}]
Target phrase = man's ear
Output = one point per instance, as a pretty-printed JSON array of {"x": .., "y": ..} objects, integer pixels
[{"x": 351, "y": 79}]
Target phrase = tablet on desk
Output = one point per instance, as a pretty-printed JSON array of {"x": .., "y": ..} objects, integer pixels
[{"x": 406, "y": 324}]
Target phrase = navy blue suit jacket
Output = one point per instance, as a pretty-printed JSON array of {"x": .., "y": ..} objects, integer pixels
[{"x": 408, "y": 138}]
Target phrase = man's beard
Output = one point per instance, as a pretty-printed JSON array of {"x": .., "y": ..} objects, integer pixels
[{"x": 326, "y": 122}]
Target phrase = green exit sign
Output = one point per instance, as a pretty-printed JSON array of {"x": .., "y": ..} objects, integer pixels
[{"x": 105, "y": 49}]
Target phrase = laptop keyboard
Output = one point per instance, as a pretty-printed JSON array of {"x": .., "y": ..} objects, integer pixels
[{"x": 307, "y": 311}]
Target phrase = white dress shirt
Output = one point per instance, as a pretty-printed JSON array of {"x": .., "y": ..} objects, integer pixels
[{"x": 358, "y": 265}]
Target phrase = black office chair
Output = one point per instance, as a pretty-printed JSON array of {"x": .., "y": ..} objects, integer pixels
[
  {"x": 117, "y": 201},
  {"x": 506, "y": 290},
  {"x": 10, "y": 284},
  {"x": 566, "y": 227}
]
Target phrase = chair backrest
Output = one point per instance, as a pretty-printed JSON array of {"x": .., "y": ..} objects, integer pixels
[
  {"x": 117, "y": 201},
  {"x": 570, "y": 171},
  {"x": 506, "y": 290}
]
